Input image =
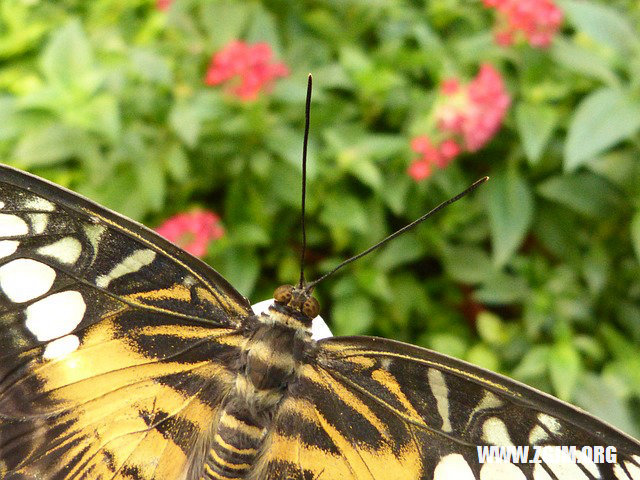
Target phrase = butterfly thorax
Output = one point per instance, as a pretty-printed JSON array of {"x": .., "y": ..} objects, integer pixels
[{"x": 274, "y": 348}]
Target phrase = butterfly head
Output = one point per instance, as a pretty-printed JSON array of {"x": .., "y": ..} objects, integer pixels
[{"x": 298, "y": 299}]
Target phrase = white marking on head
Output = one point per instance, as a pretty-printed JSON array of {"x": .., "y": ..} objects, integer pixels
[
  {"x": 453, "y": 466},
  {"x": 38, "y": 222},
  {"x": 501, "y": 471},
  {"x": 39, "y": 203},
  {"x": 550, "y": 422},
  {"x": 11, "y": 226},
  {"x": 61, "y": 347},
  {"x": 7, "y": 247},
  {"x": 634, "y": 470},
  {"x": 56, "y": 315},
  {"x": 441, "y": 393},
  {"x": 24, "y": 279},
  {"x": 131, "y": 264},
  {"x": 319, "y": 328},
  {"x": 66, "y": 250},
  {"x": 495, "y": 431}
]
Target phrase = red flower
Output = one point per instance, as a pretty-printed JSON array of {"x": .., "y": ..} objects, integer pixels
[
  {"x": 163, "y": 4},
  {"x": 466, "y": 118},
  {"x": 248, "y": 69},
  {"x": 536, "y": 20},
  {"x": 419, "y": 170},
  {"x": 192, "y": 231}
]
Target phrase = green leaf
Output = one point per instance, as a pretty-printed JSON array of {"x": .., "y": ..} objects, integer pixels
[
  {"x": 151, "y": 66},
  {"x": 484, "y": 357},
  {"x": 238, "y": 264},
  {"x": 585, "y": 193},
  {"x": 352, "y": 315},
  {"x": 9, "y": 126},
  {"x": 510, "y": 205},
  {"x": 490, "y": 328},
  {"x": 467, "y": 264},
  {"x": 186, "y": 123},
  {"x": 604, "y": 24},
  {"x": 68, "y": 57},
  {"x": 47, "y": 146},
  {"x": 603, "y": 118},
  {"x": 575, "y": 58},
  {"x": 402, "y": 250},
  {"x": 535, "y": 125},
  {"x": 225, "y": 20},
  {"x": 635, "y": 233},
  {"x": 262, "y": 28},
  {"x": 565, "y": 368},
  {"x": 342, "y": 210},
  {"x": 502, "y": 289},
  {"x": 601, "y": 397}
]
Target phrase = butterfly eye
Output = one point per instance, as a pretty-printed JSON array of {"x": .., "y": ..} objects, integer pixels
[
  {"x": 311, "y": 307},
  {"x": 283, "y": 294}
]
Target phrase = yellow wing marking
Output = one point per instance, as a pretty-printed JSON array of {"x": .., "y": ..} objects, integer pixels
[
  {"x": 346, "y": 396},
  {"x": 456, "y": 371},
  {"x": 388, "y": 381},
  {"x": 356, "y": 460},
  {"x": 221, "y": 300}
]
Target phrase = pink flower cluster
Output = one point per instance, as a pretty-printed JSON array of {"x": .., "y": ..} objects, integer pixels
[
  {"x": 537, "y": 20},
  {"x": 248, "y": 69},
  {"x": 163, "y": 4},
  {"x": 192, "y": 231},
  {"x": 466, "y": 118}
]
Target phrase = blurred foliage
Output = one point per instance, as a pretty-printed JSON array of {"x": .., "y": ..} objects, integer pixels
[{"x": 536, "y": 276}]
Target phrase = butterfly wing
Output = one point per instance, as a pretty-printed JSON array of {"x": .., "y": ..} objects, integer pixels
[
  {"x": 375, "y": 409},
  {"x": 115, "y": 345}
]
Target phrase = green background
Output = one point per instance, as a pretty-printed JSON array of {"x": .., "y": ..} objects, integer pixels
[{"x": 537, "y": 275}]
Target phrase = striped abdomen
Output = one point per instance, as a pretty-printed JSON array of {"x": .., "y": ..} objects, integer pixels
[{"x": 267, "y": 366}]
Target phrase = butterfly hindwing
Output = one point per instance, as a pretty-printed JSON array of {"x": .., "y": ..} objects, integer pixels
[
  {"x": 370, "y": 408},
  {"x": 115, "y": 346}
]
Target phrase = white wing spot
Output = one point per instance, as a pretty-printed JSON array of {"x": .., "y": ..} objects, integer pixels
[
  {"x": 38, "y": 203},
  {"x": 11, "y": 226},
  {"x": 565, "y": 467},
  {"x": 634, "y": 470},
  {"x": 56, "y": 315},
  {"x": 501, "y": 471},
  {"x": 539, "y": 473},
  {"x": 130, "y": 264},
  {"x": 550, "y": 422},
  {"x": 453, "y": 466},
  {"x": 7, "y": 247},
  {"x": 61, "y": 347},
  {"x": 24, "y": 279},
  {"x": 538, "y": 435},
  {"x": 1, "y": 204},
  {"x": 590, "y": 466},
  {"x": 66, "y": 250},
  {"x": 38, "y": 222},
  {"x": 441, "y": 394},
  {"x": 495, "y": 431}
]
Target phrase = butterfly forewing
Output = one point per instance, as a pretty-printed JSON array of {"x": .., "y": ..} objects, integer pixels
[
  {"x": 371, "y": 408},
  {"x": 115, "y": 346}
]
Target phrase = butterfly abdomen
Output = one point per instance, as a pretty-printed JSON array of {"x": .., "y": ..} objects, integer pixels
[{"x": 267, "y": 366}]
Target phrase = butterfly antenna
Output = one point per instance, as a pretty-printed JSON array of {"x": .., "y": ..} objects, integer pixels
[
  {"x": 307, "y": 114},
  {"x": 404, "y": 229}
]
